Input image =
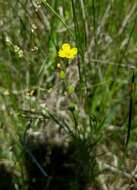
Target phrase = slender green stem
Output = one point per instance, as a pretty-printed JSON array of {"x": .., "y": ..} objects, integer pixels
[
  {"x": 130, "y": 117},
  {"x": 57, "y": 15}
]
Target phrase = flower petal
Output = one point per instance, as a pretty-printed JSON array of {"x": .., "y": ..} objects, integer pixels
[
  {"x": 61, "y": 53},
  {"x": 74, "y": 51},
  {"x": 67, "y": 52},
  {"x": 66, "y": 46}
]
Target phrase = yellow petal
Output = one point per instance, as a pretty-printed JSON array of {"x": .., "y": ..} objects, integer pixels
[
  {"x": 67, "y": 52},
  {"x": 66, "y": 46},
  {"x": 69, "y": 55},
  {"x": 61, "y": 53},
  {"x": 74, "y": 51}
]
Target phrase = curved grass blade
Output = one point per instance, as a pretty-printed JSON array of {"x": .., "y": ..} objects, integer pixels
[{"x": 57, "y": 15}]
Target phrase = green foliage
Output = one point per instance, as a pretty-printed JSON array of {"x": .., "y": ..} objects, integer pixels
[{"x": 95, "y": 85}]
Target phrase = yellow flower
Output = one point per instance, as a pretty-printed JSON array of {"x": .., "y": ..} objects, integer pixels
[{"x": 67, "y": 52}]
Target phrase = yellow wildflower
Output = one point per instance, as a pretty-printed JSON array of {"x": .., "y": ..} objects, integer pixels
[{"x": 67, "y": 52}]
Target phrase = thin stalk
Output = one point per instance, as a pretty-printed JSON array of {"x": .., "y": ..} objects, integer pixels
[
  {"x": 94, "y": 28},
  {"x": 130, "y": 116},
  {"x": 76, "y": 28},
  {"x": 57, "y": 15},
  {"x": 127, "y": 44},
  {"x": 24, "y": 144}
]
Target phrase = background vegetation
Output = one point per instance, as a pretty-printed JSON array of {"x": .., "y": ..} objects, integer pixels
[{"x": 91, "y": 98}]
